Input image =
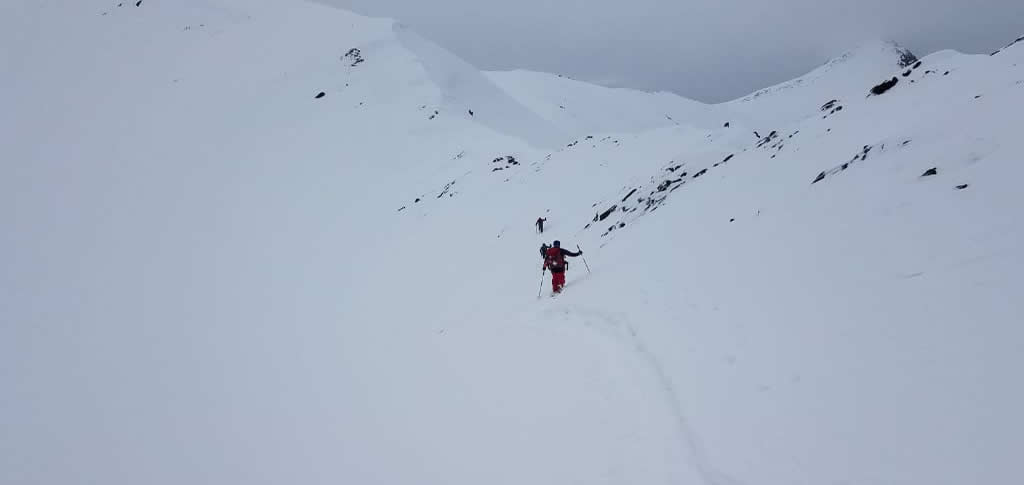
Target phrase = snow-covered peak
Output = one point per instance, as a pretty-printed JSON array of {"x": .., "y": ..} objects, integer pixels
[
  {"x": 582, "y": 108},
  {"x": 848, "y": 76}
]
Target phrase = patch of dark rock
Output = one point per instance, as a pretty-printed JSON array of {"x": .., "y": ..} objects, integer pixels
[
  {"x": 417, "y": 200},
  {"x": 918, "y": 64},
  {"x": 622, "y": 224},
  {"x": 701, "y": 172},
  {"x": 829, "y": 105},
  {"x": 666, "y": 184},
  {"x": 604, "y": 215},
  {"x": 320, "y": 95},
  {"x": 732, "y": 220},
  {"x": 907, "y": 58},
  {"x": 400, "y": 209},
  {"x": 930, "y": 172},
  {"x": 726, "y": 124},
  {"x": 138, "y": 3},
  {"x": 631, "y": 192},
  {"x": 962, "y": 186},
  {"x": 470, "y": 112},
  {"x": 884, "y": 86},
  {"x": 819, "y": 178},
  {"x": 447, "y": 187},
  {"x": 945, "y": 73},
  {"x": 355, "y": 56},
  {"x": 977, "y": 97},
  {"x": 768, "y": 139},
  {"x": 728, "y": 158},
  {"x": 907, "y": 73}
]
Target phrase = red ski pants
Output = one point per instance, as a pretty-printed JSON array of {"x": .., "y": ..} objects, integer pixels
[{"x": 557, "y": 281}]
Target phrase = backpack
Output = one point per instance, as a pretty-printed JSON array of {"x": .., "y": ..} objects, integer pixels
[
  {"x": 554, "y": 260},
  {"x": 544, "y": 250}
]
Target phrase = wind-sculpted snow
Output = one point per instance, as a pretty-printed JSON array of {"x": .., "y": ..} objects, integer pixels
[{"x": 212, "y": 273}]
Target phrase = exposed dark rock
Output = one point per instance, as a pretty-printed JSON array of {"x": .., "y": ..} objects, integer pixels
[
  {"x": 917, "y": 65},
  {"x": 907, "y": 73},
  {"x": 417, "y": 200},
  {"x": 829, "y": 105},
  {"x": 701, "y": 172},
  {"x": 138, "y": 3},
  {"x": 320, "y": 95},
  {"x": 354, "y": 55},
  {"x": 726, "y": 124},
  {"x": 884, "y": 86},
  {"x": 907, "y": 58},
  {"x": 768, "y": 139},
  {"x": 604, "y": 215},
  {"x": 470, "y": 112},
  {"x": 819, "y": 178},
  {"x": 1019, "y": 39},
  {"x": 945, "y": 73},
  {"x": 631, "y": 192},
  {"x": 728, "y": 158},
  {"x": 930, "y": 172},
  {"x": 400, "y": 209},
  {"x": 961, "y": 187},
  {"x": 447, "y": 187}
]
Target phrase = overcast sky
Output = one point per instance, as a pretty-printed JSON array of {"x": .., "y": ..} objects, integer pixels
[{"x": 711, "y": 50}]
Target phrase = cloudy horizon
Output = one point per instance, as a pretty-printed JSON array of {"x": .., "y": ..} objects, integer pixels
[{"x": 699, "y": 49}]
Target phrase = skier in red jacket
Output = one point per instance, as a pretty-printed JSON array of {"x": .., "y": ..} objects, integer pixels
[{"x": 554, "y": 261}]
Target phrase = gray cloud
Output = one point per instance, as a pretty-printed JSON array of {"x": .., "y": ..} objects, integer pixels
[{"x": 711, "y": 50}]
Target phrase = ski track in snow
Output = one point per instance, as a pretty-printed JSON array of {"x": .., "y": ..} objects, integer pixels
[{"x": 617, "y": 327}]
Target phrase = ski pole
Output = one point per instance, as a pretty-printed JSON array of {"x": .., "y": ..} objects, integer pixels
[
  {"x": 543, "y": 271},
  {"x": 584, "y": 259}
]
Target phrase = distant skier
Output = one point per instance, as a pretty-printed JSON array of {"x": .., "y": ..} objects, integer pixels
[
  {"x": 554, "y": 261},
  {"x": 540, "y": 224}
]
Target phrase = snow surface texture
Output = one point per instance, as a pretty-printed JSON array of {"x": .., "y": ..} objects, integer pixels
[{"x": 212, "y": 273}]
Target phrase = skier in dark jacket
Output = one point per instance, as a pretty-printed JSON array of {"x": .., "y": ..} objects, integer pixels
[
  {"x": 554, "y": 261},
  {"x": 540, "y": 224}
]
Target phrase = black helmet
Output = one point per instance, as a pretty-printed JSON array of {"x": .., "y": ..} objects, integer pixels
[{"x": 557, "y": 244}]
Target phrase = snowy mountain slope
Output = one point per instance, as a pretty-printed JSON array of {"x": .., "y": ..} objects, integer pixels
[
  {"x": 842, "y": 78},
  {"x": 768, "y": 309},
  {"x": 590, "y": 110},
  {"x": 212, "y": 276}
]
